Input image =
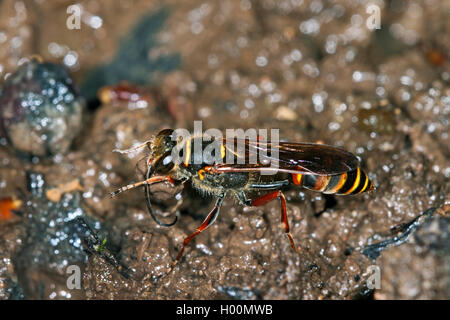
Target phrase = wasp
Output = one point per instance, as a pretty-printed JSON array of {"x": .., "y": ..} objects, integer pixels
[{"x": 317, "y": 167}]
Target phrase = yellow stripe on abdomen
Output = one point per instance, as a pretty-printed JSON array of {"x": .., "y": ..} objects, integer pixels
[
  {"x": 356, "y": 182},
  {"x": 352, "y": 182},
  {"x": 336, "y": 183},
  {"x": 297, "y": 179}
]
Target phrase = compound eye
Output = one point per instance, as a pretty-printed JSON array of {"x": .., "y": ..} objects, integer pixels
[
  {"x": 167, "y": 160},
  {"x": 165, "y": 132},
  {"x": 165, "y": 164}
]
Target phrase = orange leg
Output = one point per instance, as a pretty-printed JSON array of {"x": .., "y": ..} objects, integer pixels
[
  {"x": 284, "y": 220},
  {"x": 149, "y": 181},
  {"x": 209, "y": 220}
]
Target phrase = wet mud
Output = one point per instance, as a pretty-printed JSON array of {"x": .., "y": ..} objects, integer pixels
[{"x": 311, "y": 69}]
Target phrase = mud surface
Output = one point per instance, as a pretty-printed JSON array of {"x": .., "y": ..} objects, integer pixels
[{"x": 309, "y": 68}]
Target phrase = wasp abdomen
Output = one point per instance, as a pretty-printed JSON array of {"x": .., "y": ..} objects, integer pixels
[{"x": 352, "y": 182}]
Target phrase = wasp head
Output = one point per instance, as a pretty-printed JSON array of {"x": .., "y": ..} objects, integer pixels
[{"x": 161, "y": 151}]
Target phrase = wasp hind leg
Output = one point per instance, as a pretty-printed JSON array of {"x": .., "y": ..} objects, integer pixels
[
  {"x": 284, "y": 219},
  {"x": 209, "y": 220}
]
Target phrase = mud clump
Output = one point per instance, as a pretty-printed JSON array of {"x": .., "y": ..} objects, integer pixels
[{"x": 40, "y": 109}]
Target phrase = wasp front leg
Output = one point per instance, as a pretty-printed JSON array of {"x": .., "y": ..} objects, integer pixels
[
  {"x": 209, "y": 220},
  {"x": 146, "y": 182}
]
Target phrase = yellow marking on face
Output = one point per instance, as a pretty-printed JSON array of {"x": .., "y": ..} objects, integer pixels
[
  {"x": 201, "y": 174},
  {"x": 356, "y": 183},
  {"x": 187, "y": 156},
  {"x": 222, "y": 151}
]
